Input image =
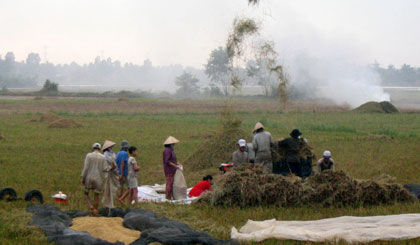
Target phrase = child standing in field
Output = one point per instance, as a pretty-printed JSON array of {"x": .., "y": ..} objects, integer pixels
[{"x": 133, "y": 169}]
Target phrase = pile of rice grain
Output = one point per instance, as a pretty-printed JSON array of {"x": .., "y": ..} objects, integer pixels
[{"x": 108, "y": 229}]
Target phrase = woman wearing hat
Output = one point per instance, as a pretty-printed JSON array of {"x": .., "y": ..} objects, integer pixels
[
  {"x": 170, "y": 164},
  {"x": 111, "y": 178}
]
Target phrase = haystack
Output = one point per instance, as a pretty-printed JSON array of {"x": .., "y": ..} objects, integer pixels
[
  {"x": 108, "y": 229},
  {"x": 49, "y": 117},
  {"x": 248, "y": 186},
  {"x": 377, "y": 107},
  {"x": 217, "y": 148},
  {"x": 65, "y": 123}
]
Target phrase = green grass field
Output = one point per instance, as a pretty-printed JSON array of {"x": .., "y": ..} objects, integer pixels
[{"x": 33, "y": 156}]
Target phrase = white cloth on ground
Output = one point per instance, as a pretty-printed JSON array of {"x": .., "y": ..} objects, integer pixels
[
  {"x": 347, "y": 228},
  {"x": 147, "y": 193}
]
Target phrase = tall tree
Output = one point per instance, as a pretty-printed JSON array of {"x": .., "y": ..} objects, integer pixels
[
  {"x": 188, "y": 85},
  {"x": 217, "y": 69}
]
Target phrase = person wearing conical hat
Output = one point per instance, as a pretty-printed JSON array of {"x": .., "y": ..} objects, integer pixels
[
  {"x": 170, "y": 164},
  {"x": 112, "y": 182},
  {"x": 262, "y": 143}
]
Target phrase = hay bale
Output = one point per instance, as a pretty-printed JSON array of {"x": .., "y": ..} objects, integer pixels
[
  {"x": 65, "y": 123},
  {"x": 108, "y": 229},
  {"x": 247, "y": 186},
  {"x": 218, "y": 148},
  {"x": 376, "y": 107},
  {"x": 49, "y": 117}
]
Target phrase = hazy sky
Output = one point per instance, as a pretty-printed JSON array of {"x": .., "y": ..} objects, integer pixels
[{"x": 185, "y": 31}]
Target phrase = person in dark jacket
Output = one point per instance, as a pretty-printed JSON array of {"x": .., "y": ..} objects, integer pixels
[
  {"x": 170, "y": 165},
  {"x": 292, "y": 147}
]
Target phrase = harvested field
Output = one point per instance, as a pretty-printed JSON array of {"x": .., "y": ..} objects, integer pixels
[
  {"x": 247, "y": 186},
  {"x": 65, "y": 123},
  {"x": 108, "y": 229}
]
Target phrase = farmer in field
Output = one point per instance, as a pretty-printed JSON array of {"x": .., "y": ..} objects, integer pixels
[
  {"x": 292, "y": 147},
  {"x": 122, "y": 163},
  {"x": 93, "y": 175},
  {"x": 240, "y": 156},
  {"x": 262, "y": 143},
  {"x": 112, "y": 182},
  {"x": 325, "y": 163},
  {"x": 170, "y": 164},
  {"x": 201, "y": 187}
]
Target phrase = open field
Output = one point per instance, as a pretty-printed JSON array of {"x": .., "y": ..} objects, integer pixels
[{"x": 33, "y": 156}]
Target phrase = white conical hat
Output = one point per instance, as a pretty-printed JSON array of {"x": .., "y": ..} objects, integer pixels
[
  {"x": 170, "y": 140},
  {"x": 108, "y": 144},
  {"x": 258, "y": 126}
]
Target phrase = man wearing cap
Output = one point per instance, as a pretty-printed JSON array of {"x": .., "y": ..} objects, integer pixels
[
  {"x": 325, "y": 163},
  {"x": 292, "y": 146},
  {"x": 262, "y": 143},
  {"x": 122, "y": 163},
  {"x": 240, "y": 156},
  {"x": 93, "y": 175},
  {"x": 170, "y": 164}
]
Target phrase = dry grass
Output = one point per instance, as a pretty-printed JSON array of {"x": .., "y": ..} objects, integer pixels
[{"x": 64, "y": 123}]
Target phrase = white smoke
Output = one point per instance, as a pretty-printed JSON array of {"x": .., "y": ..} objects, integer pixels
[{"x": 333, "y": 65}]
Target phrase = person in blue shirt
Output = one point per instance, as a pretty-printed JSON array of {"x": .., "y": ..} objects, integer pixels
[{"x": 122, "y": 163}]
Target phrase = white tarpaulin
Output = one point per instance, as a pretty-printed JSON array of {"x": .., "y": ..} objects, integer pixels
[
  {"x": 156, "y": 193},
  {"x": 347, "y": 228}
]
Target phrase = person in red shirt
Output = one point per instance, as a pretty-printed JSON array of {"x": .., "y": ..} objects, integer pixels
[{"x": 201, "y": 187}]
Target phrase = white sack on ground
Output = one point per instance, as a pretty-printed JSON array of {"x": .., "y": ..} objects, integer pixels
[
  {"x": 348, "y": 228},
  {"x": 180, "y": 186},
  {"x": 149, "y": 193}
]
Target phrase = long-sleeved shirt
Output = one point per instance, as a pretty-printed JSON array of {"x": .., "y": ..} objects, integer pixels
[
  {"x": 168, "y": 157},
  {"x": 93, "y": 170},
  {"x": 322, "y": 165},
  {"x": 262, "y": 142},
  {"x": 239, "y": 157}
]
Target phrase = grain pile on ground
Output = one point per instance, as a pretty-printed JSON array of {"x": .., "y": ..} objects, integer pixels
[
  {"x": 108, "y": 229},
  {"x": 217, "y": 148},
  {"x": 248, "y": 186},
  {"x": 49, "y": 118},
  {"x": 377, "y": 107},
  {"x": 65, "y": 123}
]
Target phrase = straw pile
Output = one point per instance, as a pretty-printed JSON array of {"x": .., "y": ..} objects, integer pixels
[
  {"x": 248, "y": 186},
  {"x": 218, "y": 148},
  {"x": 65, "y": 123},
  {"x": 49, "y": 117},
  {"x": 377, "y": 107},
  {"x": 108, "y": 229}
]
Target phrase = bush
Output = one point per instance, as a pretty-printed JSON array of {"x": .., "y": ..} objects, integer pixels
[{"x": 50, "y": 87}]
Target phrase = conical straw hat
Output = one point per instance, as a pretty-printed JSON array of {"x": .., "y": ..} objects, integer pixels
[
  {"x": 258, "y": 126},
  {"x": 108, "y": 144},
  {"x": 170, "y": 140}
]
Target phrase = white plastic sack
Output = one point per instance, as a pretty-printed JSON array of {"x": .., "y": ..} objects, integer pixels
[
  {"x": 180, "y": 186},
  {"x": 347, "y": 228},
  {"x": 148, "y": 193}
]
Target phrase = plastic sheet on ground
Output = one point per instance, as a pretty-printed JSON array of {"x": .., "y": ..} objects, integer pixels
[
  {"x": 148, "y": 193},
  {"x": 413, "y": 189},
  {"x": 347, "y": 228}
]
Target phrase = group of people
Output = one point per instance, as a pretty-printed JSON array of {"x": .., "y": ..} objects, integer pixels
[
  {"x": 291, "y": 149},
  {"x": 105, "y": 171}
]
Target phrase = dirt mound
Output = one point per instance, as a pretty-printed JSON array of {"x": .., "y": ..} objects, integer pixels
[
  {"x": 65, "y": 123},
  {"x": 217, "y": 148},
  {"x": 49, "y": 118},
  {"x": 377, "y": 107},
  {"x": 108, "y": 229},
  {"x": 247, "y": 186}
]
